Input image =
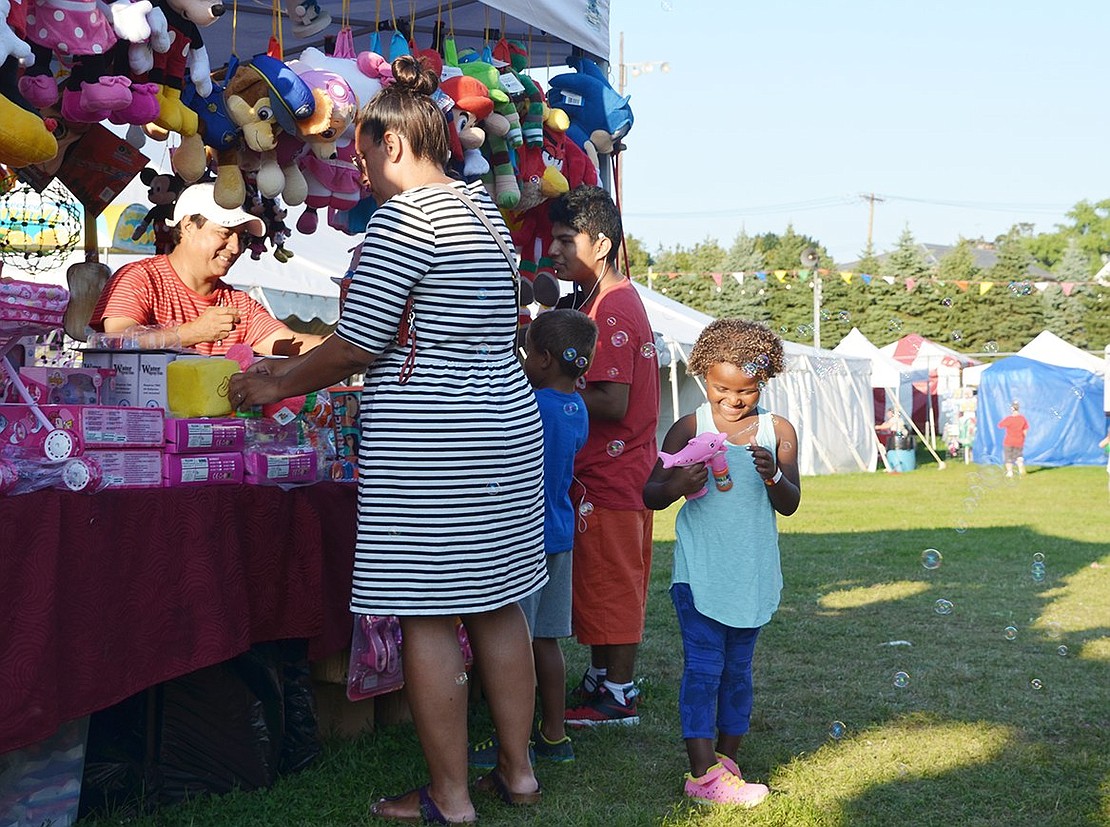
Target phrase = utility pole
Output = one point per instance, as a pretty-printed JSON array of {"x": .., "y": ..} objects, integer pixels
[{"x": 871, "y": 198}]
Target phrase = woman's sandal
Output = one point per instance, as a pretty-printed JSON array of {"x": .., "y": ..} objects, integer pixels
[
  {"x": 429, "y": 811},
  {"x": 493, "y": 783}
]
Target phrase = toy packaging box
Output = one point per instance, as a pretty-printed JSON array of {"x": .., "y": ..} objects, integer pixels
[
  {"x": 139, "y": 377},
  {"x": 202, "y": 469},
  {"x": 281, "y": 467},
  {"x": 204, "y": 436},
  {"x": 346, "y": 403},
  {"x": 63, "y": 386},
  {"x": 129, "y": 468}
]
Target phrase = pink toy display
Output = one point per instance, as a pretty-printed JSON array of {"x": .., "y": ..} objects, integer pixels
[{"x": 708, "y": 448}]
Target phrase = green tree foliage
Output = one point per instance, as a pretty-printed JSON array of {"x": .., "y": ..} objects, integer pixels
[
  {"x": 1013, "y": 259},
  {"x": 1091, "y": 225},
  {"x": 639, "y": 259},
  {"x": 868, "y": 261},
  {"x": 743, "y": 256},
  {"x": 906, "y": 259},
  {"x": 959, "y": 263},
  {"x": 1063, "y": 317},
  {"x": 1074, "y": 264},
  {"x": 784, "y": 252}
]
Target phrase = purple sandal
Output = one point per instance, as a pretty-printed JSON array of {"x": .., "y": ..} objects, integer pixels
[{"x": 429, "y": 811}]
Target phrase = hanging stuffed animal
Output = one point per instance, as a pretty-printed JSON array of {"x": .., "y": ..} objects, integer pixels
[
  {"x": 599, "y": 116},
  {"x": 307, "y": 16},
  {"x": 25, "y": 138},
  {"x": 162, "y": 191},
  {"x": 185, "y": 19},
  {"x": 472, "y": 105}
]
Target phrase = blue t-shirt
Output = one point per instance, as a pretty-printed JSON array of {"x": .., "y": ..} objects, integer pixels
[{"x": 565, "y": 426}]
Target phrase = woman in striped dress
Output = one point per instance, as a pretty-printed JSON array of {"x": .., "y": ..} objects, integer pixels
[{"x": 450, "y": 505}]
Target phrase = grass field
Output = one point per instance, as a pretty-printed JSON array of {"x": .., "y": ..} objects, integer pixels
[{"x": 987, "y": 730}]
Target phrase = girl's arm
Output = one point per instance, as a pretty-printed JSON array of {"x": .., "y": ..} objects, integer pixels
[
  {"x": 780, "y": 473},
  {"x": 665, "y": 485}
]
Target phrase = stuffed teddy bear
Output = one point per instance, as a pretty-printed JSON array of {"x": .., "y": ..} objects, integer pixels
[{"x": 162, "y": 191}]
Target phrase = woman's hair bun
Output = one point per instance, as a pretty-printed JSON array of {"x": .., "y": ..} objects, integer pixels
[{"x": 413, "y": 74}]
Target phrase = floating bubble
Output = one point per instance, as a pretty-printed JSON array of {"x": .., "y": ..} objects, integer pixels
[
  {"x": 943, "y": 607},
  {"x": 615, "y": 448},
  {"x": 482, "y": 293},
  {"x": 931, "y": 559},
  {"x": 946, "y": 301},
  {"x": 619, "y": 339},
  {"x": 581, "y": 362},
  {"x": 1062, "y": 651},
  {"x": 580, "y": 382},
  {"x": 613, "y": 372},
  {"x": 1010, "y": 633},
  {"x": 1053, "y": 629},
  {"x": 1038, "y": 557},
  {"x": 787, "y": 445},
  {"x": 1077, "y": 392},
  {"x": 1037, "y": 572},
  {"x": 844, "y": 316},
  {"x": 763, "y": 360},
  {"x": 894, "y": 324},
  {"x": 957, "y": 335},
  {"x": 647, "y": 350},
  {"x": 483, "y": 349},
  {"x": 783, "y": 329},
  {"x": 570, "y": 354},
  {"x": 961, "y": 526},
  {"x": 901, "y": 680},
  {"x": 762, "y": 384},
  {"x": 751, "y": 369},
  {"x": 825, "y": 315},
  {"x": 1036, "y": 684},
  {"x": 611, "y": 321},
  {"x": 570, "y": 409},
  {"x": 1056, "y": 412},
  {"x": 585, "y": 508},
  {"x": 991, "y": 347},
  {"x": 804, "y": 330},
  {"x": 461, "y": 679},
  {"x": 493, "y": 488},
  {"x": 837, "y": 730}
]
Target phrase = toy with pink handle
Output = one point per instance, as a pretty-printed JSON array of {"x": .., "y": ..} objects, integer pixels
[{"x": 708, "y": 448}]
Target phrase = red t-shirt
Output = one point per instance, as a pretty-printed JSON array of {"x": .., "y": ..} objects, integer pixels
[
  {"x": 150, "y": 292},
  {"x": 625, "y": 355},
  {"x": 1015, "y": 426}
]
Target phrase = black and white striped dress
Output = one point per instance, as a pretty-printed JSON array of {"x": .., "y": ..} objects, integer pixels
[{"x": 450, "y": 501}]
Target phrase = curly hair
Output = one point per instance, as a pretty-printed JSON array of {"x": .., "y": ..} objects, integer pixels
[
  {"x": 752, "y": 347},
  {"x": 568, "y": 335}
]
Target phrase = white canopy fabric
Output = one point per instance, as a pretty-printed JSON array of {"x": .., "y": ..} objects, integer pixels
[
  {"x": 549, "y": 29},
  {"x": 825, "y": 395},
  {"x": 1049, "y": 348},
  {"x": 894, "y": 379}
]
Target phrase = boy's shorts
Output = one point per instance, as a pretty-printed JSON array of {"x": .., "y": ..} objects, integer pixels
[
  {"x": 612, "y": 564},
  {"x": 1011, "y": 453},
  {"x": 547, "y": 609}
]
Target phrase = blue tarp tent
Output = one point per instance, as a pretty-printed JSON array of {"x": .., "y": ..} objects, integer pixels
[{"x": 1063, "y": 406}]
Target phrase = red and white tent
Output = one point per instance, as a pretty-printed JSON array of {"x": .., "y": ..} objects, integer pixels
[{"x": 890, "y": 379}]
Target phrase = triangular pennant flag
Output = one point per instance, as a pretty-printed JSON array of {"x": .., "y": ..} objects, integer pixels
[
  {"x": 717, "y": 278},
  {"x": 866, "y": 278},
  {"x": 962, "y": 285},
  {"x": 888, "y": 279},
  {"x": 803, "y": 275},
  {"x": 759, "y": 274},
  {"x": 672, "y": 275},
  {"x": 739, "y": 278},
  {"x": 911, "y": 283},
  {"x": 1067, "y": 287},
  {"x": 846, "y": 276},
  {"x": 1040, "y": 285},
  {"x": 984, "y": 287},
  {"x": 780, "y": 275}
]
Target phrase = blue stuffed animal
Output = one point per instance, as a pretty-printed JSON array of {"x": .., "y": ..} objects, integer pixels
[{"x": 597, "y": 113}]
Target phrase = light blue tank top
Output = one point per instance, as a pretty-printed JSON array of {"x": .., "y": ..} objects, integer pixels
[{"x": 727, "y": 542}]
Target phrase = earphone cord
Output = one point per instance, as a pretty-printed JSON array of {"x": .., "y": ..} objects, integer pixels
[{"x": 597, "y": 284}]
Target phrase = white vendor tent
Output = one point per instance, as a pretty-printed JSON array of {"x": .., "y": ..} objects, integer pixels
[
  {"x": 890, "y": 379},
  {"x": 1049, "y": 348},
  {"x": 826, "y": 395}
]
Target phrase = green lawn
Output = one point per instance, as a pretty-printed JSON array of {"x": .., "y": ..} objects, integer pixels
[{"x": 987, "y": 731}]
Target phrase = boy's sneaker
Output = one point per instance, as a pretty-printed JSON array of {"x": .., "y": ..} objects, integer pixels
[
  {"x": 602, "y": 709},
  {"x": 582, "y": 693},
  {"x": 722, "y": 786},
  {"x": 559, "y": 751},
  {"x": 483, "y": 755}
]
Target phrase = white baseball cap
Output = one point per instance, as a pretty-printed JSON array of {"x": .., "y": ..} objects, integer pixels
[{"x": 200, "y": 199}]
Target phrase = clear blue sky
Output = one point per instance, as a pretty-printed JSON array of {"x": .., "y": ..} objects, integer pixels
[{"x": 785, "y": 112}]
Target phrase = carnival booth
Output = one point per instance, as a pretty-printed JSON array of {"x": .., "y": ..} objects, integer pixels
[
  {"x": 158, "y": 633},
  {"x": 826, "y": 395},
  {"x": 895, "y": 384},
  {"x": 944, "y": 366}
]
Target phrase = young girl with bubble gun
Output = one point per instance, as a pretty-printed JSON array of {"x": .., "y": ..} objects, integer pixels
[{"x": 726, "y": 579}]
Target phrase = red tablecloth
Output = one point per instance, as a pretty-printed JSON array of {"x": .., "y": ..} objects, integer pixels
[{"x": 103, "y": 596}]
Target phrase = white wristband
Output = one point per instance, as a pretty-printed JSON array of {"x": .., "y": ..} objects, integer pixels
[{"x": 774, "y": 479}]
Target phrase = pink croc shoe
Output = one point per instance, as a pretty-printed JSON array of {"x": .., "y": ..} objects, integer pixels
[
  {"x": 143, "y": 108},
  {"x": 722, "y": 786},
  {"x": 40, "y": 91}
]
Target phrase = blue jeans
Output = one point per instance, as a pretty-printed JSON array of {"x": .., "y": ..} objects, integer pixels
[{"x": 716, "y": 691}]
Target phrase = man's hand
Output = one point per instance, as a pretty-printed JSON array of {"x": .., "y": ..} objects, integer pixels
[{"x": 213, "y": 325}]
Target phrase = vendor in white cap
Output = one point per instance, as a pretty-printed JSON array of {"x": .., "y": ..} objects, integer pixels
[{"x": 184, "y": 291}]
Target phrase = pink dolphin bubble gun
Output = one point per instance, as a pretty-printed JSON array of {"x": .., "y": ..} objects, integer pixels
[{"x": 708, "y": 448}]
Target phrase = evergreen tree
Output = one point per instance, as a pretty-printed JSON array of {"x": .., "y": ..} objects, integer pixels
[
  {"x": 1063, "y": 316},
  {"x": 1075, "y": 264},
  {"x": 869, "y": 263},
  {"x": 784, "y": 252},
  {"x": 1013, "y": 261},
  {"x": 639, "y": 259},
  {"x": 958, "y": 264},
  {"x": 906, "y": 260},
  {"x": 743, "y": 256}
]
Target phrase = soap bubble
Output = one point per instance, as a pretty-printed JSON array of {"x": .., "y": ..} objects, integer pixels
[
  {"x": 931, "y": 559},
  {"x": 580, "y": 382},
  {"x": 1010, "y": 633},
  {"x": 825, "y": 315},
  {"x": 581, "y": 362},
  {"x": 613, "y": 372},
  {"x": 1077, "y": 392},
  {"x": 1037, "y": 572},
  {"x": 943, "y": 607},
  {"x": 570, "y": 409},
  {"x": 844, "y": 316},
  {"x": 961, "y": 526},
  {"x": 946, "y": 301},
  {"x": 482, "y": 293},
  {"x": 619, "y": 339},
  {"x": 957, "y": 335},
  {"x": 1056, "y": 412},
  {"x": 1062, "y": 651},
  {"x": 570, "y": 354},
  {"x": 493, "y": 488},
  {"x": 1038, "y": 557},
  {"x": 483, "y": 349},
  {"x": 750, "y": 369},
  {"x": 783, "y": 329},
  {"x": 991, "y": 347},
  {"x": 837, "y": 730},
  {"x": 1036, "y": 684},
  {"x": 805, "y": 330},
  {"x": 611, "y": 321},
  {"x": 585, "y": 508},
  {"x": 894, "y": 324},
  {"x": 901, "y": 680},
  {"x": 648, "y": 350},
  {"x": 1053, "y": 629},
  {"x": 615, "y": 448}
]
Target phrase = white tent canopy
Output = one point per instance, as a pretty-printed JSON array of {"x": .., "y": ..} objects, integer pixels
[
  {"x": 825, "y": 395},
  {"x": 1049, "y": 348},
  {"x": 894, "y": 377}
]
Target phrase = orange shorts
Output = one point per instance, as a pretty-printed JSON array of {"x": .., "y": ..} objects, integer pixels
[{"x": 612, "y": 564}]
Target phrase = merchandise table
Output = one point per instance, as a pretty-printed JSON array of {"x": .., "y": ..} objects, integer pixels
[{"x": 105, "y": 595}]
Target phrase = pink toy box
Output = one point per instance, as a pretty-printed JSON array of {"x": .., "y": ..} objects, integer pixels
[
  {"x": 22, "y": 433},
  {"x": 130, "y": 468},
  {"x": 63, "y": 386},
  {"x": 295, "y": 466},
  {"x": 204, "y": 436},
  {"x": 202, "y": 469}
]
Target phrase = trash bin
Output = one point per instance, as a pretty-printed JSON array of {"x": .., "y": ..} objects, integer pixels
[{"x": 900, "y": 452}]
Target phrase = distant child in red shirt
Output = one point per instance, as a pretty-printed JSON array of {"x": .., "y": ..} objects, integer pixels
[{"x": 1016, "y": 426}]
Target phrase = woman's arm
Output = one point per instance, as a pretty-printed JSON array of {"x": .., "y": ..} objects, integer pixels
[
  {"x": 665, "y": 485},
  {"x": 334, "y": 360}
]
